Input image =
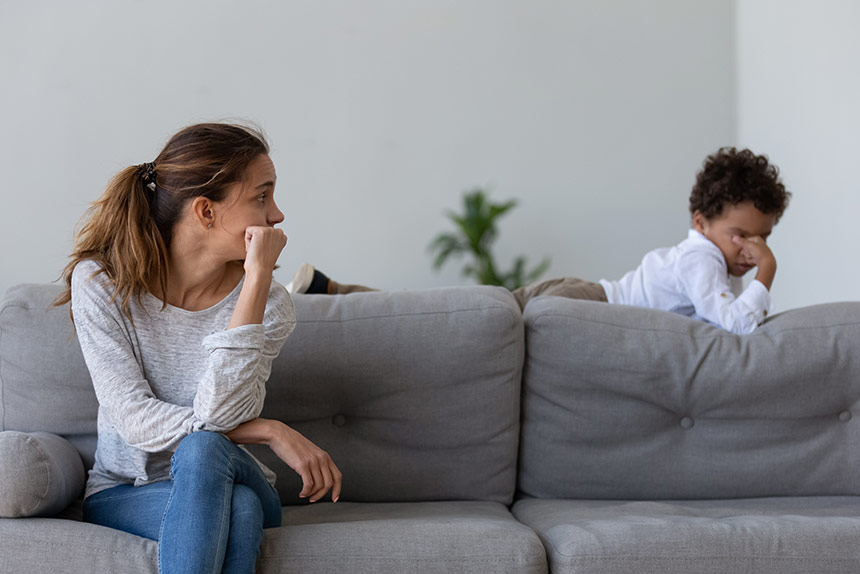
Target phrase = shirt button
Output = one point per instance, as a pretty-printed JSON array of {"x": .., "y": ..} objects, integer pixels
[
  {"x": 686, "y": 423},
  {"x": 845, "y": 416},
  {"x": 765, "y": 313},
  {"x": 723, "y": 295},
  {"x": 338, "y": 420}
]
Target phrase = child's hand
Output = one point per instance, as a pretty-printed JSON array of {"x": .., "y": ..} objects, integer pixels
[{"x": 755, "y": 252}]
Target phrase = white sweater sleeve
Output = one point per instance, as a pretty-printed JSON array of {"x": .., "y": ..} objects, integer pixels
[{"x": 704, "y": 277}]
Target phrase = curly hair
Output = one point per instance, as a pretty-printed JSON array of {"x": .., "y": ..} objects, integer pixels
[{"x": 731, "y": 176}]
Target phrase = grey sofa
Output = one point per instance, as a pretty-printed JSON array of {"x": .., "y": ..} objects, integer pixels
[{"x": 576, "y": 437}]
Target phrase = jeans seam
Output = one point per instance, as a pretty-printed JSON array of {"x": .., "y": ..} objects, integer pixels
[{"x": 161, "y": 527}]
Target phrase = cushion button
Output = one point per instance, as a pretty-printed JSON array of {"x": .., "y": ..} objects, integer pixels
[
  {"x": 338, "y": 420},
  {"x": 686, "y": 423},
  {"x": 845, "y": 416}
]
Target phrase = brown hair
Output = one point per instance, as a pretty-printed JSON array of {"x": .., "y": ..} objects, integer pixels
[
  {"x": 129, "y": 229},
  {"x": 731, "y": 176}
]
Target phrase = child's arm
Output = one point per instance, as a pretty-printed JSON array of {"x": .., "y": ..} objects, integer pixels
[
  {"x": 757, "y": 252},
  {"x": 704, "y": 278}
]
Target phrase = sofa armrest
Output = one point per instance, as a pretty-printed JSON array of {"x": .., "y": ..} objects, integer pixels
[{"x": 40, "y": 474}]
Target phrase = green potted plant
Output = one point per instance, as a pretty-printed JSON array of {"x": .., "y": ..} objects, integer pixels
[{"x": 476, "y": 231}]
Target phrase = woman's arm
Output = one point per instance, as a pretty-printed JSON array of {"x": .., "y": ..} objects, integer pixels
[
  {"x": 314, "y": 465},
  {"x": 233, "y": 387}
]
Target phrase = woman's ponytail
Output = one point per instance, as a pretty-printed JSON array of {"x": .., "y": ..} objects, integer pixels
[{"x": 121, "y": 235}]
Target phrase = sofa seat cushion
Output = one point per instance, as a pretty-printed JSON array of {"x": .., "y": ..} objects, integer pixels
[
  {"x": 429, "y": 537},
  {"x": 51, "y": 545},
  {"x": 376, "y": 538},
  {"x": 803, "y": 535}
]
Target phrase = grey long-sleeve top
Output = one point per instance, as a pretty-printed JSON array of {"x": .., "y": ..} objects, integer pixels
[{"x": 169, "y": 373}]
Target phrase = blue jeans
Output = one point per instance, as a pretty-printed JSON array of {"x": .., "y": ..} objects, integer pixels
[{"x": 208, "y": 518}]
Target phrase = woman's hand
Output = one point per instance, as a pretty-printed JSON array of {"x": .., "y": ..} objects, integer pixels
[
  {"x": 263, "y": 246},
  {"x": 319, "y": 473}
]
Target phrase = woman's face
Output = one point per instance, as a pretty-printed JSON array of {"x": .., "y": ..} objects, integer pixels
[{"x": 249, "y": 203}]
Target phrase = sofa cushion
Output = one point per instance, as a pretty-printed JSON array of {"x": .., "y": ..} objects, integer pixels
[
  {"x": 324, "y": 538},
  {"x": 44, "y": 383},
  {"x": 630, "y": 403},
  {"x": 415, "y": 394},
  {"x": 813, "y": 535},
  {"x": 402, "y": 537},
  {"x": 40, "y": 474},
  {"x": 51, "y": 545}
]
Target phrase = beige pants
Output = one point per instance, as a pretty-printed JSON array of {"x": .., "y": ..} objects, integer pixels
[
  {"x": 569, "y": 287},
  {"x": 335, "y": 288}
]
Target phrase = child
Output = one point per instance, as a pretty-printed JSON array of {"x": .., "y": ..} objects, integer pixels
[{"x": 736, "y": 200}]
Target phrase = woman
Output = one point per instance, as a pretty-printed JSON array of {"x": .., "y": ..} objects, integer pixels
[{"x": 179, "y": 319}]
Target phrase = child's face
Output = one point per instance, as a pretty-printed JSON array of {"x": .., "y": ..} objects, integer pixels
[{"x": 743, "y": 220}]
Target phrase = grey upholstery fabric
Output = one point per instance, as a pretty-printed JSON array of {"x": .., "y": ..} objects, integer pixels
[
  {"x": 415, "y": 394},
  {"x": 44, "y": 383},
  {"x": 52, "y": 545},
  {"x": 40, "y": 474},
  {"x": 428, "y": 537},
  {"x": 800, "y": 535},
  {"x": 324, "y": 538},
  {"x": 628, "y": 403}
]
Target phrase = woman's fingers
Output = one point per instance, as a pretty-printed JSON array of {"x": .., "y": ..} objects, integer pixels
[
  {"x": 335, "y": 489},
  {"x": 327, "y": 480}
]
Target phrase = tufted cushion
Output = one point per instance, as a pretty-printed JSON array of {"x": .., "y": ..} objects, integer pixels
[
  {"x": 626, "y": 403},
  {"x": 415, "y": 394},
  {"x": 40, "y": 474},
  {"x": 44, "y": 382}
]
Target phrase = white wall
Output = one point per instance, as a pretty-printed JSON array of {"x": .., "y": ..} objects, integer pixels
[
  {"x": 799, "y": 101},
  {"x": 594, "y": 114}
]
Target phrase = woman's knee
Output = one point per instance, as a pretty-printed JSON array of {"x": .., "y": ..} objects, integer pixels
[
  {"x": 246, "y": 510},
  {"x": 202, "y": 447}
]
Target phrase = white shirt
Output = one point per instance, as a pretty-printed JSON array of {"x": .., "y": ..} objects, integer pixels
[{"x": 692, "y": 279}]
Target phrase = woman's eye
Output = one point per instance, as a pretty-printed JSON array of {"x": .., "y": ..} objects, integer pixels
[{"x": 262, "y": 198}]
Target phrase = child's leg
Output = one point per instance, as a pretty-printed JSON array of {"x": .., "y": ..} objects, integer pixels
[
  {"x": 313, "y": 281},
  {"x": 569, "y": 287}
]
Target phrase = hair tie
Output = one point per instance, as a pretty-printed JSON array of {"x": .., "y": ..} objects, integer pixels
[{"x": 146, "y": 172}]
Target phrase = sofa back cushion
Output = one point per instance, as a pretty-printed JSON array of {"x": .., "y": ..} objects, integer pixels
[
  {"x": 628, "y": 403},
  {"x": 414, "y": 394},
  {"x": 44, "y": 383}
]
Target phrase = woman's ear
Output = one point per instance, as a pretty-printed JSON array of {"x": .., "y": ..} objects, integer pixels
[{"x": 202, "y": 208}]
